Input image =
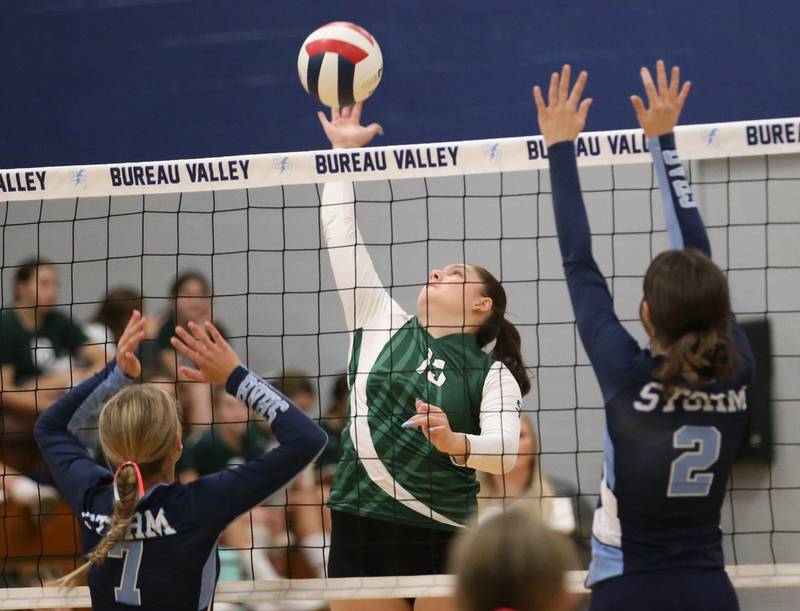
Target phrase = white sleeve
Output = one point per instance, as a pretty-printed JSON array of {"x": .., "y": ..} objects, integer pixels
[
  {"x": 363, "y": 296},
  {"x": 495, "y": 449}
]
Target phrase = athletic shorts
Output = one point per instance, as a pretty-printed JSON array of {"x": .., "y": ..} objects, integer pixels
[
  {"x": 365, "y": 547},
  {"x": 670, "y": 590}
]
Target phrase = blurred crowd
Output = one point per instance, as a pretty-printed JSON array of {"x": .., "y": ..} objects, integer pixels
[{"x": 44, "y": 351}]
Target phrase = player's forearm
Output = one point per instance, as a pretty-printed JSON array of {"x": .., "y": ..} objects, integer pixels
[
  {"x": 682, "y": 217},
  {"x": 493, "y": 452},
  {"x": 588, "y": 289},
  {"x": 288, "y": 422},
  {"x": 360, "y": 289},
  {"x": 572, "y": 223},
  {"x": 86, "y": 396}
]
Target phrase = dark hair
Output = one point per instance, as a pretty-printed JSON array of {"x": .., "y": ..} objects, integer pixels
[
  {"x": 511, "y": 560},
  {"x": 187, "y": 277},
  {"x": 507, "y": 347},
  {"x": 294, "y": 382},
  {"x": 690, "y": 312},
  {"x": 339, "y": 391},
  {"x": 116, "y": 309},
  {"x": 27, "y": 270}
]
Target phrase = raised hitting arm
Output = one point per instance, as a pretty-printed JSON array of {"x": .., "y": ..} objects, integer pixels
[{"x": 360, "y": 289}]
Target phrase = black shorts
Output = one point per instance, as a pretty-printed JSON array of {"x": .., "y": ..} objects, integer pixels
[
  {"x": 670, "y": 590},
  {"x": 365, "y": 547}
]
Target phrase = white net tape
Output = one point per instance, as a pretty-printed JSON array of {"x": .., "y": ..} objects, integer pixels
[{"x": 422, "y": 586}]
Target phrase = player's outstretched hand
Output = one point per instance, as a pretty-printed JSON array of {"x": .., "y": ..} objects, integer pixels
[
  {"x": 344, "y": 129},
  {"x": 433, "y": 423},
  {"x": 666, "y": 101},
  {"x": 131, "y": 337},
  {"x": 562, "y": 118},
  {"x": 206, "y": 348}
]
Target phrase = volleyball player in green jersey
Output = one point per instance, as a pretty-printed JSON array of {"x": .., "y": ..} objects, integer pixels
[{"x": 399, "y": 494}]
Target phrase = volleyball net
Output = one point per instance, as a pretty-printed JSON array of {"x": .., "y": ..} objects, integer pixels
[{"x": 248, "y": 228}]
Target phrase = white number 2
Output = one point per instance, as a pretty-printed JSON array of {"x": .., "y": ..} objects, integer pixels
[
  {"x": 127, "y": 593},
  {"x": 702, "y": 444}
]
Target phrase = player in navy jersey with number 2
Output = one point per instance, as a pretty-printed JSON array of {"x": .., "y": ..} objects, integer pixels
[
  {"x": 151, "y": 542},
  {"x": 676, "y": 412}
]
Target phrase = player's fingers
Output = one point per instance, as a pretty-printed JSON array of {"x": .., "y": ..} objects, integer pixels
[
  {"x": 135, "y": 318},
  {"x": 661, "y": 76},
  {"x": 192, "y": 374},
  {"x": 649, "y": 87},
  {"x": 675, "y": 80},
  {"x": 335, "y": 114},
  {"x": 413, "y": 422},
  {"x": 132, "y": 342},
  {"x": 583, "y": 110},
  {"x": 199, "y": 336},
  {"x": 538, "y": 99},
  {"x": 375, "y": 129},
  {"x": 638, "y": 107},
  {"x": 552, "y": 91},
  {"x": 683, "y": 95},
  {"x": 215, "y": 334},
  {"x": 577, "y": 90},
  {"x": 355, "y": 111},
  {"x": 345, "y": 112},
  {"x": 202, "y": 336},
  {"x": 563, "y": 86},
  {"x": 323, "y": 120},
  {"x": 133, "y": 334},
  {"x": 185, "y": 343}
]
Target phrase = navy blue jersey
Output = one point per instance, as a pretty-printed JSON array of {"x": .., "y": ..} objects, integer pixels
[
  {"x": 665, "y": 462},
  {"x": 169, "y": 559}
]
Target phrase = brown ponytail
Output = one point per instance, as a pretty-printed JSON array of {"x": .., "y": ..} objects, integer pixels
[
  {"x": 140, "y": 424},
  {"x": 690, "y": 314},
  {"x": 508, "y": 344}
]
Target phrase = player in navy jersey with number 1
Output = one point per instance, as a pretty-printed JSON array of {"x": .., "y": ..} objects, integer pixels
[
  {"x": 676, "y": 412},
  {"x": 151, "y": 542}
]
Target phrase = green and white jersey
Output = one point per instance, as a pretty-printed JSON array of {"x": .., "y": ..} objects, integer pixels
[{"x": 387, "y": 472}]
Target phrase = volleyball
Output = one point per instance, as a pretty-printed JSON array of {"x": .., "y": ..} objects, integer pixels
[{"x": 340, "y": 64}]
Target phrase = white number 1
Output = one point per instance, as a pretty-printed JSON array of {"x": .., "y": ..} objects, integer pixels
[{"x": 127, "y": 593}]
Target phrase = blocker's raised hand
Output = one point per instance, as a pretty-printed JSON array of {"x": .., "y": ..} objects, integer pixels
[
  {"x": 665, "y": 101},
  {"x": 562, "y": 118},
  {"x": 207, "y": 349},
  {"x": 344, "y": 129},
  {"x": 127, "y": 360}
]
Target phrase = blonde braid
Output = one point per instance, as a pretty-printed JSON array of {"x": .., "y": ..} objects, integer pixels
[{"x": 128, "y": 488}]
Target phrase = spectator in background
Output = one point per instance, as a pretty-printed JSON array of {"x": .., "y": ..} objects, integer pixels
[
  {"x": 17, "y": 488},
  {"x": 306, "y": 497},
  {"x": 191, "y": 302},
  {"x": 296, "y": 385},
  {"x": 512, "y": 561},
  {"x": 112, "y": 315},
  {"x": 526, "y": 482},
  {"x": 333, "y": 423},
  {"x": 38, "y": 342},
  {"x": 42, "y": 353}
]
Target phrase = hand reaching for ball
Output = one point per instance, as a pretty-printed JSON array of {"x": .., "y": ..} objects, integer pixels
[{"x": 344, "y": 129}]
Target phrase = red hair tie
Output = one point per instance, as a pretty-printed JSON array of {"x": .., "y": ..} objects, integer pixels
[{"x": 138, "y": 478}]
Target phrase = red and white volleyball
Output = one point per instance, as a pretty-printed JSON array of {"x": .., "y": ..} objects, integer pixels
[{"x": 340, "y": 64}]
